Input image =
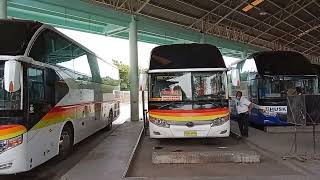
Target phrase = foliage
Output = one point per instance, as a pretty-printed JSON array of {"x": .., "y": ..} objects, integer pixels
[{"x": 124, "y": 74}]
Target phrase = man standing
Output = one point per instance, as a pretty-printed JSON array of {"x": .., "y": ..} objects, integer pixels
[{"x": 244, "y": 107}]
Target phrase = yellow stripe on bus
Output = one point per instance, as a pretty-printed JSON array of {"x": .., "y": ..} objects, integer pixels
[{"x": 189, "y": 118}]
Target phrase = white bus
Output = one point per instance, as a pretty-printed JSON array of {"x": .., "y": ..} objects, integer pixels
[
  {"x": 54, "y": 93},
  {"x": 187, "y": 92}
]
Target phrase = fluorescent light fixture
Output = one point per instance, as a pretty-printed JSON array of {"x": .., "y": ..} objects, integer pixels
[
  {"x": 251, "y": 5},
  {"x": 247, "y": 8},
  {"x": 256, "y": 2}
]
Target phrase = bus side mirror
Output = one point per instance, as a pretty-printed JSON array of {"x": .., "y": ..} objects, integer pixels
[
  {"x": 12, "y": 71},
  {"x": 235, "y": 77},
  {"x": 143, "y": 82}
]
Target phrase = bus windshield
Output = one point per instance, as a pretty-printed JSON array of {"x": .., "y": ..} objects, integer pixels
[
  {"x": 276, "y": 88},
  {"x": 8, "y": 101},
  {"x": 187, "y": 86},
  {"x": 15, "y": 36}
]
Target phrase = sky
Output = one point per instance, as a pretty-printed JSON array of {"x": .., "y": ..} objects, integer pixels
[{"x": 110, "y": 48}]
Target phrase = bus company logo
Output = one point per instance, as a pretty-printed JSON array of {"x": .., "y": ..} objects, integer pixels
[
  {"x": 277, "y": 108},
  {"x": 189, "y": 124}
]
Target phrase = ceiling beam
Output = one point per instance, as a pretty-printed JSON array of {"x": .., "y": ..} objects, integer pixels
[
  {"x": 282, "y": 20},
  {"x": 230, "y": 30},
  {"x": 123, "y": 3},
  {"x": 116, "y": 31},
  {"x": 270, "y": 15},
  {"x": 225, "y": 16},
  {"x": 142, "y": 6},
  {"x": 294, "y": 28},
  {"x": 316, "y": 45},
  {"x": 258, "y": 21},
  {"x": 207, "y": 13},
  {"x": 194, "y": 18}
]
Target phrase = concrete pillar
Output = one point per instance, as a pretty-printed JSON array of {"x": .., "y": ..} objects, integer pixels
[
  {"x": 3, "y": 9},
  {"x": 203, "y": 38},
  {"x": 134, "y": 79}
]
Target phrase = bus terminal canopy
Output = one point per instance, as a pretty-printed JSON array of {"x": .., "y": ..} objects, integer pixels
[{"x": 234, "y": 26}]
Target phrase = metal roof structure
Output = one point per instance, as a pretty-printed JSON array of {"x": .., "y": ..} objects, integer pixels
[
  {"x": 235, "y": 26},
  {"x": 272, "y": 24}
]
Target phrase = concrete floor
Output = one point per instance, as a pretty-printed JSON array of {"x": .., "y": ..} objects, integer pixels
[
  {"x": 143, "y": 167},
  {"x": 278, "y": 145}
]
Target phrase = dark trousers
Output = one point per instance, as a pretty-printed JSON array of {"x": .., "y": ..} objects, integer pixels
[{"x": 243, "y": 122}]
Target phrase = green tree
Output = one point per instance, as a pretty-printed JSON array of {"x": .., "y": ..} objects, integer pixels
[{"x": 124, "y": 74}]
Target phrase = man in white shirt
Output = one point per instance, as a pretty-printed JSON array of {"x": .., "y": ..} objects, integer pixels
[{"x": 243, "y": 106}]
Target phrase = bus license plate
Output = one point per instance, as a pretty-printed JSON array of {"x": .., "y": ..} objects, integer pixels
[{"x": 190, "y": 133}]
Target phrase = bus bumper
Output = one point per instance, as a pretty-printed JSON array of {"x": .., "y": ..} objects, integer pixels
[
  {"x": 260, "y": 119},
  {"x": 182, "y": 131},
  {"x": 14, "y": 160}
]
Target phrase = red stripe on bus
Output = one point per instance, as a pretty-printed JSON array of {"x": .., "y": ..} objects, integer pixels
[{"x": 218, "y": 110}]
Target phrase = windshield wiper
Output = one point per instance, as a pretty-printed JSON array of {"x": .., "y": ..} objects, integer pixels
[{"x": 168, "y": 104}]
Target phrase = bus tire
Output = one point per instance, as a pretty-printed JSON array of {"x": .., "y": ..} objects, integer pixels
[
  {"x": 110, "y": 119},
  {"x": 65, "y": 142}
]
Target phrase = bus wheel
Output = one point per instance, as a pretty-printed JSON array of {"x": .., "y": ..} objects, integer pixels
[
  {"x": 66, "y": 142},
  {"x": 110, "y": 119}
]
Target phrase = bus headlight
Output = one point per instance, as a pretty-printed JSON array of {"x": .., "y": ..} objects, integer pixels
[
  {"x": 219, "y": 121},
  {"x": 10, "y": 143},
  {"x": 159, "y": 122}
]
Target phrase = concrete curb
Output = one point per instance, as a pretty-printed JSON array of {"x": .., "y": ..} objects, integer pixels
[
  {"x": 205, "y": 157},
  {"x": 290, "y": 129},
  {"x": 132, "y": 155}
]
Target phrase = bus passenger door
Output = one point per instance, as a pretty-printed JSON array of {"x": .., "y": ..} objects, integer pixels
[{"x": 42, "y": 138}]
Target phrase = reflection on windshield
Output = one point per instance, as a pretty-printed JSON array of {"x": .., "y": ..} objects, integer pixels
[
  {"x": 271, "y": 88},
  {"x": 208, "y": 85},
  {"x": 171, "y": 87},
  {"x": 8, "y": 101},
  {"x": 186, "y": 86}
]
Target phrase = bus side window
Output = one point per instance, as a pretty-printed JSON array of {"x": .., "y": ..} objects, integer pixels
[
  {"x": 36, "y": 84},
  {"x": 56, "y": 88},
  {"x": 51, "y": 48},
  {"x": 36, "y": 91},
  {"x": 254, "y": 90},
  {"x": 39, "y": 50},
  {"x": 61, "y": 89}
]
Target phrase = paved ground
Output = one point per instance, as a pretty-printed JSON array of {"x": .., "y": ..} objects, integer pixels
[
  {"x": 281, "y": 144},
  {"x": 124, "y": 114},
  {"x": 143, "y": 167},
  {"x": 109, "y": 159}
]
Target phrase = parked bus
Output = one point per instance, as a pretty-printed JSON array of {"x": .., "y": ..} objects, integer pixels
[
  {"x": 317, "y": 69},
  {"x": 266, "y": 78},
  {"x": 54, "y": 93},
  {"x": 187, "y": 92}
]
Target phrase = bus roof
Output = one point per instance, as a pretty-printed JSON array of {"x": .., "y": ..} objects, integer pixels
[
  {"x": 16, "y": 34},
  {"x": 282, "y": 63},
  {"x": 186, "y": 56}
]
